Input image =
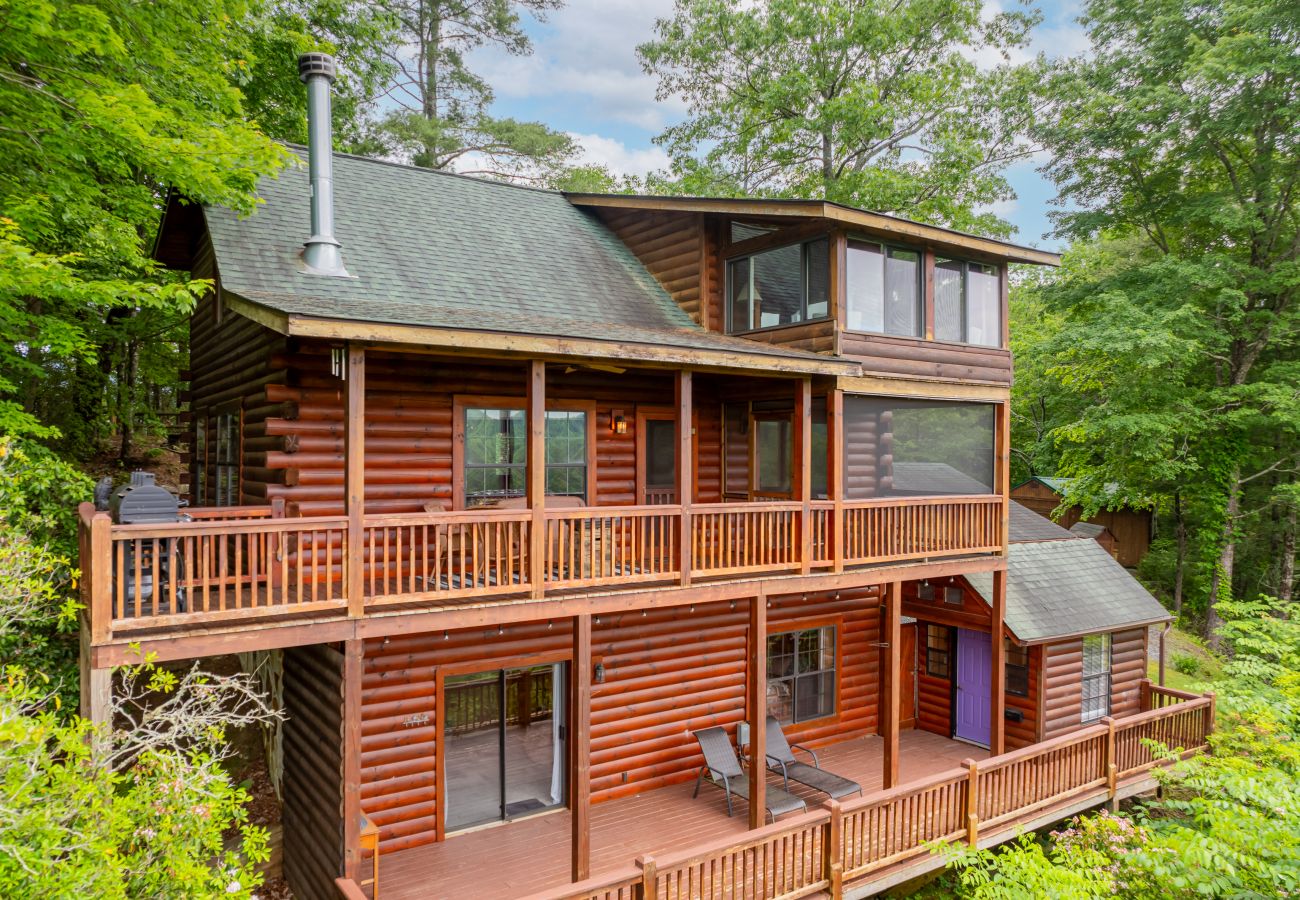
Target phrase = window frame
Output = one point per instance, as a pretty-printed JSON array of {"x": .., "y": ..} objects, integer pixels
[
  {"x": 736, "y": 252},
  {"x": 797, "y": 627},
  {"x": 1012, "y": 650},
  {"x": 922, "y": 305},
  {"x": 946, "y": 653},
  {"x": 1103, "y": 676},
  {"x": 964, "y": 341},
  {"x": 460, "y": 403},
  {"x": 228, "y": 417}
]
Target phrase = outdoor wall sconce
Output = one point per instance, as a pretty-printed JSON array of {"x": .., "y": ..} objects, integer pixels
[
  {"x": 598, "y": 674},
  {"x": 619, "y": 422}
]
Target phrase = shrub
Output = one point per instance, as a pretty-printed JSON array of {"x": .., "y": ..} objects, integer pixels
[{"x": 1185, "y": 663}]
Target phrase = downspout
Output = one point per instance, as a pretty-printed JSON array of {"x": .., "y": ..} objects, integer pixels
[
  {"x": 1163, "y": 632},
  {"x": 322, "y": 253}
]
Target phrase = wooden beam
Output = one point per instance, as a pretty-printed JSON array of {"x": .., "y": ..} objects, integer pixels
[
  {"x": 682, "y": 397},
  {"x": 536, "y": 475},
  {"x": 353, "y": 663},
  {"x": 580, "y": 750},
  {"x": 757, "y": 652},
  {"x": 803, "y": 469},
  {"x": 891, "y": 699},
  {"x": 997, "y": 662},
  {"x": 923, "y": 387},
  {"x": 354, "y": 477},
  {"x": 835, "y": 475},
  {"x": 927, "y": 296}
]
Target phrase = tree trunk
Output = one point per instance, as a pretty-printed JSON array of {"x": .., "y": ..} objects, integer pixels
[
  {"x": 1286, "y": 580},
  {"x": 1227, "y": 557},
  {"x": 1180, "y": 559}
]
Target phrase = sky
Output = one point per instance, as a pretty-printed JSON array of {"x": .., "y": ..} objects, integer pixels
[{"x": 583, "y": 78}]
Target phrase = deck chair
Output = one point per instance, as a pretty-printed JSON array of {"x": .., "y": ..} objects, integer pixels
[
  {"x": 724, "y": 771},
  {"x": 780, "y": 758}
]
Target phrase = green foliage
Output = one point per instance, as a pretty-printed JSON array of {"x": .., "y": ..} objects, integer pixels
[
  {"x": 73, "y": 828},
  {"x": 1187, "y": 665},
  {"x": 873, "y": 104}
]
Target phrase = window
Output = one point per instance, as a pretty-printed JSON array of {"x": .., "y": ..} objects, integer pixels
[
  {"x": 819, "y": 477},
  {"x": 938, "y": 651},
  {"x": 883, "y": 289},
  {"x": 1017, "y": 668},
  {"x": 917, "y": 448},
  {"x": 801, "y": 674},
  {"x": 225, "y": 461},
  {"x": 496, "y": 453},
  {"x": 199, "y": 487},
  {"x": 1096, "y": 677},
  {"x": 774, "y": 453},
  {"x": 779, "y": 287},
  {"x": 967, "y": 303}
]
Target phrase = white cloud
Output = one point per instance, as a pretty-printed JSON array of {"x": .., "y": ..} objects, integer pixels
[{"x": 617, "y": 157}]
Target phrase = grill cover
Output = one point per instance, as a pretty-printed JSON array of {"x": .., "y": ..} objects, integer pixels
[{"x": 142, "y": 501}]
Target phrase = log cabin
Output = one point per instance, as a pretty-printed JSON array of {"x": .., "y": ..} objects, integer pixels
[
  {"x": 1125, "y": 531},
  {"x": 508, "y": 492}
]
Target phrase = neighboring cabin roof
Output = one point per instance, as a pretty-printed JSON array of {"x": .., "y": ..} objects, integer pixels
[
  {"x": 934, "y": 478},
  {"x": 1088, "y": 530},
  {"x": 438, "y": 251},
  {"x": 1062, "y": 585}
]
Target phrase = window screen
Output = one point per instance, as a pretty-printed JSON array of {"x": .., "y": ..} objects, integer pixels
[
  {"x": 773, "y": 449},
  {"x": 1017, "y": 668},
  {"x": 967, "y": 303},
  {"x": 801, "y": 674},
  {"x": 883, "y": 289},
  {"x": 1096, "y": 677},
  {"x": 200, "y": 487},
  {"x": 735, "y": 436},
  {"x": 661, "y": 453},
  {"x": 900, "y": 447}
]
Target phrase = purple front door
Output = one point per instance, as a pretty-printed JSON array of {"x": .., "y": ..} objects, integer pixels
[{"x": 974, "y": 683}]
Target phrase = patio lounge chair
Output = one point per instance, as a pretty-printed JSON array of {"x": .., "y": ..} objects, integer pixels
[
  {"x": 780, "y": 758},
  {"x": 724, "y": 771}
]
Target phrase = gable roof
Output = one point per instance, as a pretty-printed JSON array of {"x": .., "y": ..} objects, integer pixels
[
  {"x": 1088, "y": 530},
  {"x": 433, "y": 251},
  {"x": 1062, "y": 585}
]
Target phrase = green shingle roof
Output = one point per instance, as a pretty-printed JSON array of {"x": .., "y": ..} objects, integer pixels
[{"x": 440, "y": 250}]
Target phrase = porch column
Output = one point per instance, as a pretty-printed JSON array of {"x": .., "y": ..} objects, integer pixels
[
  {"x": 685, "y": 476},
  {"x": 354, "y": 477},
  {"x": 536, "y": 474},
  {"x": 757, "y": 710},
  {"x": 997, "y": 662},
  {"x": 580, "y": 749},
  {"x": 353, "y": 661},
  {"x": 835, "y": 475},
  {"x": 803, "y": 474},
  {"x": 891, "y": 696},
  {"x": 1002, "y": 468}
]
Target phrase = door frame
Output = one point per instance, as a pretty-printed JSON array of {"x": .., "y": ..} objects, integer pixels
[{"x": 649, "y": 414}]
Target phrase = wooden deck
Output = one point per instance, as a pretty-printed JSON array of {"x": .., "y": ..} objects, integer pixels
[{"x": 533, "y": 854}]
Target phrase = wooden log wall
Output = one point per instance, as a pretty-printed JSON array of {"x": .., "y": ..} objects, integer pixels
[
  {"x": 1025, "y": 732},
  {"x": 889, "y": 355},
  {"x": 814, "y": 337},
  {"x": 667, "y": 673},
  {"x": 1128, "y": 666},
  {"x": 313, "y": 774},
  {"x": 1063, "y": 674},
  {"x": 671, "y": 245},
  {"x": 865, "y": 442}
]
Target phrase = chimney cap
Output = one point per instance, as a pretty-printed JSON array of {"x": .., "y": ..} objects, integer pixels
[{"x": 310, "y": 64}]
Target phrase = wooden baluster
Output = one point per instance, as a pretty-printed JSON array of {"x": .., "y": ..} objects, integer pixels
[{"x": 972, "y": 802}]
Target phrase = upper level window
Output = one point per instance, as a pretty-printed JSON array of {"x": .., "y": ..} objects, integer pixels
[
  {"x": 496, "y": 453},
  {"x": 967, "y": 303},
  {"x": 884, "y": 289},
  {"x": 780, "y": 286}
]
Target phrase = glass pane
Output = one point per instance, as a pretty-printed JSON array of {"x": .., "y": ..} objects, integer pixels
[
  {"x": 661, "y": 453},
  {"x": 774, "y": 446},
  {"x": 917, "y": 447},
  {"x": 866, "y": 287},
  {"x": 820, "y": 486},
  {"x": 948, "y": 300},
  {"x": 817, "y": 255},
  {"x": 903, "y": 293},
  {"x": 814, "y": 696},
  {"x": 810, "y": 655},
  {"x": 778, "y": 286},
  {"x": 735, "y": 418},
  {"x": 566, "y": 436},
  {"x": 534, "y": 742},
  {"x": 983, "y": 306},
  {"x": 472, "y": 720},
  {"x": 780, "y": 654},
  {"x": 828, "y": 647},
  {"x": 780, "y": 699},
  {"x": 740, "y": 314}
]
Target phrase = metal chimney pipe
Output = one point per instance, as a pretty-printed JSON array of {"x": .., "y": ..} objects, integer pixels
[{"x": 321, "y": 253}]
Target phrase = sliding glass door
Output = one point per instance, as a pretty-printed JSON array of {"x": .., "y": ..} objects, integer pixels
[{"x": 504, "y": 733}]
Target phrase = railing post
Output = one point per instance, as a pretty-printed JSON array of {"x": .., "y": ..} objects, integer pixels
[
  {"x": 100, "y": 567},
  {"x": 835, "y": 477},
  {"x": 803, "y": 474},
  {"x": 649, "y": 878},
  {"x": 1209, "y": 716},
  {"x": 275, "y": 548},
  {"x": 354, "y": 488},
  {"x": 1110, "y": 766},
  {"x": 1144, "y": 694},
  {"x": 536, "y": 476},
  {"x": 972, "y": 802},
  {"x": 832, "y": 857},
  {"x": 685, "y": 479}
]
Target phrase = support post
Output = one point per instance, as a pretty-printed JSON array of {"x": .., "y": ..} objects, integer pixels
[
  {"x": 972, "y": 802},
  {"x": 757, "y": 710},
  {"x": 580, "y": 749},
  {"x": 1144, "y": 695},
  {"x": 96, "y": 686},
  {"x": 891, "y": 698},
  {"x": 803, "y": 473},
  {"x": 649, "y": 888},
  {"x": 354, "y": 492},
  {"x": 1112, "y": 771},
  {"x": 835, "y": 476},
  {"x": 832, "y": 865},
  {"x": 1002, "y": 469},
  {"x": 997, "y": 663},
  {"x": 685, "y": 476},
  {"x": 536, "y": 475},
  {"x": 101, "y": 577},
  {"x": 1210, "y": 712},
  {"x": 353, "y": 661}
]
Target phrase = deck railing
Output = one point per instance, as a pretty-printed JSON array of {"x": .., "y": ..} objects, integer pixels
[
  {"x": 821, "y": 851},
  {"x": 235, "y": 563}
]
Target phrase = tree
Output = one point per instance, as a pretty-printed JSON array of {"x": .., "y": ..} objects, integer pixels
[
  {"x": 875, "y": 104},
  {"x": 443, "y": 119},
  {"x": 1176, "y": 140}
]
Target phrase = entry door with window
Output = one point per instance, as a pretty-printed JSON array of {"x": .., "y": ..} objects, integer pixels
[
  {"x": 505, "y": 740},
  {"x": 657, "y": 458}
]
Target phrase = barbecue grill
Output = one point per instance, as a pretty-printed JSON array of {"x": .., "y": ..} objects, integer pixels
[{"x": 142, "y": 501}]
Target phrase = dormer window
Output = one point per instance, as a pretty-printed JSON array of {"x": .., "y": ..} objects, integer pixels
[
  {"x": 884, "y": 289},
  {"x": 781, "y": 286},
  {"x": 967, "y": 303}
]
